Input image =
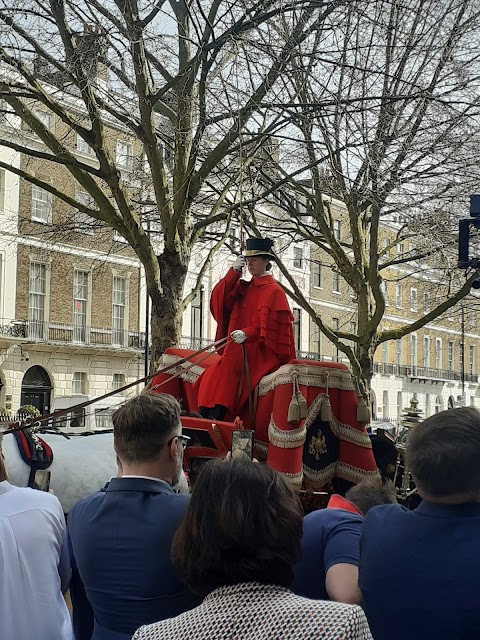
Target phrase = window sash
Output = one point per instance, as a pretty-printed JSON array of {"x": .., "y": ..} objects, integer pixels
[
  {"x": 80, "y": 302},
  {"x": 41, "y": 204},
  {"x": 118, "y": 311},
  {"x": 36, "y": 300}
]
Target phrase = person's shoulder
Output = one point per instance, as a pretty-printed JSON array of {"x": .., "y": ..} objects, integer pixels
[
  {"x": 333, "y": 617},
  {"x": 385, "y": 514},
  {"x": 330, "y": 517},
  {"x": 83, "y": 503},
  {"x": 35, "y": 497}
]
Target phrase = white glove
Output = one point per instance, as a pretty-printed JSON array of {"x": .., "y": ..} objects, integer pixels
[
  {"x": 238, "y": 336},
  {"x": 240, "y": 264}
]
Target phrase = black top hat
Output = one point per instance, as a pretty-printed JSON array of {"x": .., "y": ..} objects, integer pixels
[{"x": 259, "y": 247}]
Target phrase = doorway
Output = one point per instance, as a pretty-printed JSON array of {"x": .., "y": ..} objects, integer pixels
[{"x": 37, "y": 389}]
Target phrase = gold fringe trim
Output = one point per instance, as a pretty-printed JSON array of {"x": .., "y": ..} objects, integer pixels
[
  {"x": 308, "y": 376},
  {"x": 286, "y": 439}
]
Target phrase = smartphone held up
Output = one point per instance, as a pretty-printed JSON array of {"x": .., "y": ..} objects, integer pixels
[
  {"x": 242, "y": 444},
  {"x": 42, "y": 480}
]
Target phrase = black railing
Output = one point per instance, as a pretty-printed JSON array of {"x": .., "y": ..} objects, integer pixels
[
  {"x": 425, "y": 373},
  {"x": 58, "y": 333}
]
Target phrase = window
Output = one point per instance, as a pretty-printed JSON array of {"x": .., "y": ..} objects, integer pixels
[
  {"x": 399, "y": 403},
  {"x": 398, "y": 351},
  {"x": 384, "y": 352},
  {"x": 426, "y": 351},
  {"x": 462, "y": 357},
  {"x": 471, "y": 317},
  {"x": 316, "y": 274},
  {"x": 124, "y": 155},
  {"x": 118, "y": 381},
  {"x": 472, "y": 360},
  {"x": 79, "y": 383},
  {"x": 83, "y": 222},
  {"x": 427, "y": 405},
  {"x": 45, "y": 118},
  {"x": 413, "y": 299},
  {"x": 438, "y": 353},
  {"x": 41, "y": 204},
  {"x": 103, "y": 418},
  {"x": 385, "y": 404},
  {"x": 316, "y": 339},
  {"x": 118, "y": 311},
  {"x": 37, "y": 300},
  {"x": 384, "y": 290},
  {"x": 84, "y": 147},
  {"x": 2, "y": 190},
  {"x": 335, "y": 281},
  {"x": 450, "y": 356},
  {"x": 426, "y": 303},
  {"x": 196, "y": 309},
  {"x": 80, "y": 301},
  {"x": 398, "y": 296},
  {"x": 297, "y": 328},
  {"x": 335, "y": 351},
  {"x": 413, "y": 351},
  {"x": 298, "y": 257},
  {"x": 337, "y": 230}
]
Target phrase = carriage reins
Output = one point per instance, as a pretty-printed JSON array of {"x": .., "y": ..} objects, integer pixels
[{"x": 20, "y": 425}]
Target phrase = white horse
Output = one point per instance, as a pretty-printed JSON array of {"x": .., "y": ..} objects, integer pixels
[{"x": 81, "y": 465}]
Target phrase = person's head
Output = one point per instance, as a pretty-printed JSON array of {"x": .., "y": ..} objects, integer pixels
[
  {"x": 370, "y": 493},
  {"x": 3, "y": 466},
  {"x": 258, "y": 265},
  {"x": 258, "y": 255},
  {"x": 147, "y": 433},
  {"x": 243, "y": 524},
  {"x": 443, "y": 454}
]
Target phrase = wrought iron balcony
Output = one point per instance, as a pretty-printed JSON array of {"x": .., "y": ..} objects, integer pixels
[
  {"x": 422, "y": 373},
  {"x": 67, "y": 334}
]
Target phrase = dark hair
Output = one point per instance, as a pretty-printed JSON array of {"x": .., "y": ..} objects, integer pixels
[
  {"x": 370, "y": 493},
  {"x": 143, "y": 425},
  {"x": 244, "y": 524},
  {"x": 443, "y": 453},
  {"x": 3, "y": 468}
]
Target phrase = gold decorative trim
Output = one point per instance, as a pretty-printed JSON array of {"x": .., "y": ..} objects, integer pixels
[
  {"x": 354, "y": 474},
  {"x": 286, "y": 439},
  {"x": 191, "y": 375},
  {"x": 295, "y": 478},
  {"x": 319, "y": 477},
  {"x": 308, "y": 376}
]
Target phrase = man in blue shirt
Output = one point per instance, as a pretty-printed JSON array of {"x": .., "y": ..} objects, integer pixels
[
  {"x": 328, "y": 566},
  {"x": 120, "y": 538},
  {"x": 419, "y": 570}
]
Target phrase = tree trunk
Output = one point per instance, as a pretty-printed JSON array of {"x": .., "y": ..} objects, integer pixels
[
  {"x": 166, "y": 308},
  {"x": 365, "y": 374}
]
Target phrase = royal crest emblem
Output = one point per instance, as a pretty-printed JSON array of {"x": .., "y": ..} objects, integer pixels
[{"x": 318, "y": 445}]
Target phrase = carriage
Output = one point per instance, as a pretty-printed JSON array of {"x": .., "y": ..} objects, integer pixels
[{"x": 309, "y": 425}]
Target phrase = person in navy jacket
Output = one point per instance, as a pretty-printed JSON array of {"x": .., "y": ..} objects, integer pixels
[
  {"x": 419, "y": 570},
  {"x": 120, "y": 537}
]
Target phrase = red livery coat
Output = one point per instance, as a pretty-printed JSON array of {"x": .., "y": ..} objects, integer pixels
[{"x": 260, "y": 309}]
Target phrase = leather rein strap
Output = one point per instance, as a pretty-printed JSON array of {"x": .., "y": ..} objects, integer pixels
[{"x": 20, "y": 425}]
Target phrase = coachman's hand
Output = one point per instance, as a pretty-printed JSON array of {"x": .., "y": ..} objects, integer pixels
[
  {"x": 238, "y": 336},
  {"x": 240, "y": 264}
]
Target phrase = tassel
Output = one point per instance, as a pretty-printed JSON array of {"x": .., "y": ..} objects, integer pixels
[
  {"x": 293, "y": 410},
  {"x": 302, "y": 404},
  {"x": 326, "y": 410},
  {"x": 363, "y": 412}
]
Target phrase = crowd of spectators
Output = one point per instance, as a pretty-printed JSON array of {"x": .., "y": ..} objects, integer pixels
[{"x": 237, "y": 559}]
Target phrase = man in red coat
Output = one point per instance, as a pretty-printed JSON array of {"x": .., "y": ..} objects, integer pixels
[{"x": 257, "y": 317}]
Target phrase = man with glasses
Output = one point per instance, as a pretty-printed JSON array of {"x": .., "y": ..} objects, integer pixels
[{"x": 120, "y": 538}]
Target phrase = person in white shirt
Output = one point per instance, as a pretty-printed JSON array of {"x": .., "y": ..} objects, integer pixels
[{"x": 34, "y": 564}]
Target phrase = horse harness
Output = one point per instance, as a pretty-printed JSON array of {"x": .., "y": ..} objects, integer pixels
[{"x": 34, "y": 451}]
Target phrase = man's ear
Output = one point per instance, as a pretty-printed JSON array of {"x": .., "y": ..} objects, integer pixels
[{"x": 174, "y": 449}]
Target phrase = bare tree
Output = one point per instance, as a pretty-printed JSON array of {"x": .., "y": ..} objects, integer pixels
[
  {"x": 188, "y": 80},
  {"x": 384, "y": 118}
]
